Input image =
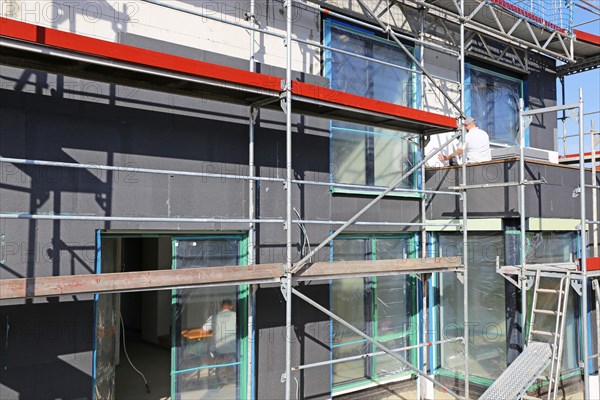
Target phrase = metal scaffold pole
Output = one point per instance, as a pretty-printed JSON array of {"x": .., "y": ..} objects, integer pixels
[
  {"x": 594, "y": 228},
  {"x": 523, "y": 242},
  {"x": 251, "y": 198},
  {"x": 464, "y": 207},
  {"x": 352, "y": 220},
  {"x": 287, "y": 280},
  {"x": 583, "y": 249}
]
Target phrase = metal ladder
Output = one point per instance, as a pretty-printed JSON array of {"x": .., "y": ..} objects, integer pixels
[
  {"x": 543, "y": 349},
  {"x": 556, "y": 338}
]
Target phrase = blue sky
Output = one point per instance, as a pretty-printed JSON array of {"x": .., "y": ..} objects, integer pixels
[{"x": 589, "y": 81}]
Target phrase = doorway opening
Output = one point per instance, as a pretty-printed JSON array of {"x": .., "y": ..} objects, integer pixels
[{"x": 171, "y": 344}]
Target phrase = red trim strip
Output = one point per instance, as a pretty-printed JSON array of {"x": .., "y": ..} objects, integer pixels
[
  {"x": 591, "y": 263},
  {"x": 365, "y": 103},
  {"x": 587, "y": 37},
  {"x": 82, "y": 44},
  {"x": 116, "y": 51}
]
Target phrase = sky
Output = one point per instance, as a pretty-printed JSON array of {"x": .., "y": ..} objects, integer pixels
[{"x": 589, "y": 81}]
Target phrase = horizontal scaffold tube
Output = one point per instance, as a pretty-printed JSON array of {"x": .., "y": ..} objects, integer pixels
[
  {"x": 378, "y": 353},
  {"x": 215, "y": 175},
  {"x": 69, "y": 217}
]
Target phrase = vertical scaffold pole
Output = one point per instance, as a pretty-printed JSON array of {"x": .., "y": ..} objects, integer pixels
[
  {"x": 422, "y": 322},
  {"x": 594, "y": 227},
  {"x": 583, "y": 247},
  {"x": 251, "y": 203},
  {"x": 464, "y": 205},
  {"x": 288, "y": 186},
  {"x": 522, "y": 220}
]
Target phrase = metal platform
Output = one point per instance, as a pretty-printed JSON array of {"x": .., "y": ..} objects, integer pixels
[{"x": 521, "y": 374}]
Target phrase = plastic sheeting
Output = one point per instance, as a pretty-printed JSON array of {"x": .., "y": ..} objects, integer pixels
[
  {"x": 107, "y": 330},
  {"x": 487, "y": 316}
]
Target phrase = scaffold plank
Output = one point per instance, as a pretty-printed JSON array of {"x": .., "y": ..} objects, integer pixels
[{"x": 22, "y": 288}]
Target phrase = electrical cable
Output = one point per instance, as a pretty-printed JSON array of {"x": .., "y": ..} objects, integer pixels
[
  {"x": 303, "y": 229},
  {"x": 127, "y": 355}
]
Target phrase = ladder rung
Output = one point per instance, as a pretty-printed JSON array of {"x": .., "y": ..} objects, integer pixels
[
  {"x": 542, "y": 290},
  {"x": 548, "y": 312},
  {"x": 543, "y": 333}
]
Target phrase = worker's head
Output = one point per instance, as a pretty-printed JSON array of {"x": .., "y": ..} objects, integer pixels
[
  {"x": 469, "y": 123},
  {"x": 227, "y": 304}
]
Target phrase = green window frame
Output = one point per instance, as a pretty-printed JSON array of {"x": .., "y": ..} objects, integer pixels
[
  {"x": 241, "y": 364},
  {"x": 375, "y": 321}
]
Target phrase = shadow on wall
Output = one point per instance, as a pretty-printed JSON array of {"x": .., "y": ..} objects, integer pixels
[
  {"x": 70, "y": 123},
  {"x": 44, "y": 346}
]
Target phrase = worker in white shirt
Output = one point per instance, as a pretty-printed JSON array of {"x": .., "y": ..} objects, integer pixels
[
  {"x": 223, "y": 326},
  {"x": 476, "y": 144}
]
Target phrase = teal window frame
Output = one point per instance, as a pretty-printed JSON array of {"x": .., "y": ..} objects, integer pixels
[{"x": 413, "y": 309}]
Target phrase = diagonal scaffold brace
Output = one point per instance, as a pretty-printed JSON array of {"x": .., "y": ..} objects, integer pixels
[{"x": 297, "y": 266}]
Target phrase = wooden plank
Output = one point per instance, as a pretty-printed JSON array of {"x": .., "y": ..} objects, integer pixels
[
  {"x": 340, "y": 269},
  {"x": 140, "y": 280},
  {"x": 23, "y": 288}
]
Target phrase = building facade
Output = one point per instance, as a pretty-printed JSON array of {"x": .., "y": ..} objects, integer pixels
[{"x": 177, "y": 196}]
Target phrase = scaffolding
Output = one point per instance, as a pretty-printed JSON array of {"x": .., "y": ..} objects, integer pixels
[{"x": 296, "y": 97}]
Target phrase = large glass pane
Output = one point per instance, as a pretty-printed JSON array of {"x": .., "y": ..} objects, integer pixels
[
  {"x": 495, "y": 104},
  {"x": 207, "y": 322},
  {"x": 487, "y": 347},
  {"x": 367, "y": 78},
  {"x": 107, "y": 328},
  {"x": 394, "y": 156},
  {"x": 390, "y": 84},
  {"x": 349, "y": 300},
  {"x": 387, "y": 365},
  {"x": 393, "y": 306},
  {"x": 546, "y": 247},
  {"x": 349, "y": 161},
  {"x": 393, "y": 292}
]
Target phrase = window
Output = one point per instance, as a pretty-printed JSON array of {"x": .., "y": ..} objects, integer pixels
[
  {"x": 383, "y": 308},
  {"x": 488, "y": 342},
  {"x": 487, "y": 348},
  {"x": 362, "y": 154},
  {"x": 493, "y": 100}
]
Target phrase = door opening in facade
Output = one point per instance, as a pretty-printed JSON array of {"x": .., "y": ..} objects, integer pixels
[{"x": 187, "y": 343}]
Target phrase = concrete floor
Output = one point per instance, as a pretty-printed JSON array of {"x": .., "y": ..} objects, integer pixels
[{"x": 155, "y": 363}]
